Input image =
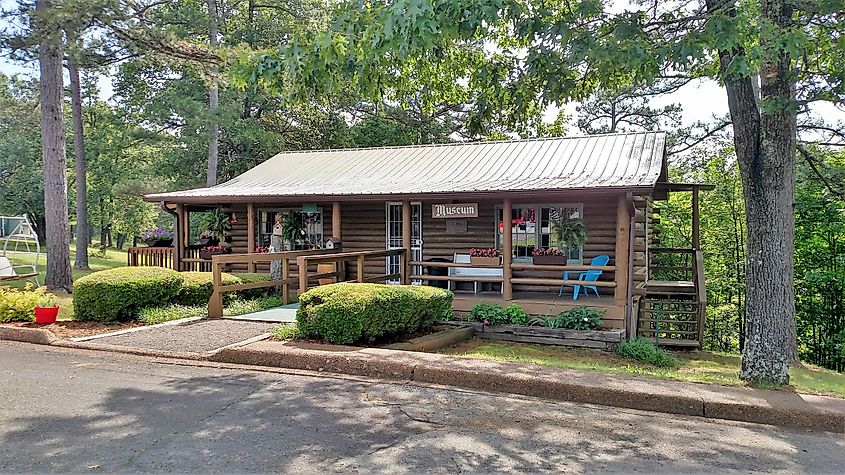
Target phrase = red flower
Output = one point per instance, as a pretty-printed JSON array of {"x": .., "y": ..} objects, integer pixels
[{"x": 484, "y": 252}]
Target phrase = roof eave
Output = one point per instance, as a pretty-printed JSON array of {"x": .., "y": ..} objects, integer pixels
[{"x": 240, "y": 198}]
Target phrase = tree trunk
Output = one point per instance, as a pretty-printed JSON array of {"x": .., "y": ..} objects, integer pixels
[
  {"x": 213, "y": 99},
  {"x": 764, "y": 138},
  {"x": 56, "y": 226},
  {"x": 81, "y": 261}
]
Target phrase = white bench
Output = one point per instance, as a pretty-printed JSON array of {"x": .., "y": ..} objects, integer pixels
[{"x": 472, "y": 271}]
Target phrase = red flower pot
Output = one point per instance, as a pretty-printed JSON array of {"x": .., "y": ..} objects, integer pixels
[{"x": 46, "y": 315}]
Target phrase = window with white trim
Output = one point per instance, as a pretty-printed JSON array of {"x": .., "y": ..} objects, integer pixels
[
  {"x": 313, "y": 226},
  {"x": 531, "y": 227}
]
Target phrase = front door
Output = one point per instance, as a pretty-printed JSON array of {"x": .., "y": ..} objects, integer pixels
[{"x": 394, "y": 235}]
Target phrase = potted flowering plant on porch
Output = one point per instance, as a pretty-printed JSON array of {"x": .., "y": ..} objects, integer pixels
[
  {"x": 548, "y": 256},
  {"x": 158, "y": 237},
  {"x": 208, "y": 251},
  {"x": 484, "y": 256}
]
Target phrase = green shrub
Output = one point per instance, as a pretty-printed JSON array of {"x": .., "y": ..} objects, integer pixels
[
  {"x": 166, "y": 313},
  {"x": 580, "y": 318},
  {"x": 349, "y": 313},
  {"x": 197, "y": 288},
  {"x": 248, "y": 278},
  {"x": 118, "y": 294},
  {"x": 286, "y": 332},
  {"x": 640, "y": 349},
  {"x": 241, "y": 306},
  {"x": 19, "y": 305},
  {"x": 492, "y": 313},
  {"x": 516, "y": 315}
]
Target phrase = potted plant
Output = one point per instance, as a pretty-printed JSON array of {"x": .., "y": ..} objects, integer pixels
[
  {"x": 294, "y": 229},
  {"x": 207, "y": 238},
  {"x": 208, "y": 251},
  {"x": 487, "y": 257},
  {"x": 548, "y": 256},
  {"x": 570, "y": 233},
  {"x": 46, "y": 310},
  {"x": 158, "y": 237},
  {"x": 217, "y": 225}
]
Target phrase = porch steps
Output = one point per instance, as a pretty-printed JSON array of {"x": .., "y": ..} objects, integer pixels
[{"x": 668, "y": 314}]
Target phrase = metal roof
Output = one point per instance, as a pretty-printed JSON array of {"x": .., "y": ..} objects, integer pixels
[{"x": 628, "y": 160}]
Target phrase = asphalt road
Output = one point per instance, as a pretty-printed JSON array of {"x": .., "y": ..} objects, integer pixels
[{"x": 67, "y": 410}]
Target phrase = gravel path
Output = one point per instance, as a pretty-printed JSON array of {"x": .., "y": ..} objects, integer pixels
[{"x": 203, "y": 335}]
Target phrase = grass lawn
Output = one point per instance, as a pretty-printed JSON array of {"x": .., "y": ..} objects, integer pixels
[
  {"x": 698, "y": 367},
  {"x": 112, "y": 258}
]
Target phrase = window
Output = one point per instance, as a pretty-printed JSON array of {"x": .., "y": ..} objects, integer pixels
[
  {"x": 529, "y": 232},
  {"x": 313, "y": 227}
]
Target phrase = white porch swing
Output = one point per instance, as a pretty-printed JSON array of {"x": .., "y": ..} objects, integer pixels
[{"x": 18, "y": 239}]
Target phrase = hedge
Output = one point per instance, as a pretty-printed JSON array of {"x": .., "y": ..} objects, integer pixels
[
  {"x": 350, "y": 313},
  {"x": 248, "y": 278},
  {"x": 197, "y": 287},
  {"x": 118, "y": 294}
]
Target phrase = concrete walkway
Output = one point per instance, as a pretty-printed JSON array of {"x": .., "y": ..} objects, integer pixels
[{"x": 283, "y": 314}]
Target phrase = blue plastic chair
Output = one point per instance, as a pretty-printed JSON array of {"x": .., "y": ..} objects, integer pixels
[{"x": 586, "y": 276}]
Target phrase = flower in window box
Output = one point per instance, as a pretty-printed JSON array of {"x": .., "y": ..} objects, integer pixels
[
  {"x": 484, "y": 256},
  {"x": 548, "y": 256}
]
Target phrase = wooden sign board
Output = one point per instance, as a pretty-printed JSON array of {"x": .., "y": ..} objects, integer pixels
[
  {"x": 454, "y": 211},
  {"x": 456, "y": 226}
]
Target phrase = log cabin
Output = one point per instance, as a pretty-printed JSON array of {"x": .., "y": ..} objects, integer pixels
[{"x": 430, "y": 205}]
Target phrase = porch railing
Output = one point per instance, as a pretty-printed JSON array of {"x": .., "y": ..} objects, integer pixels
[
  {"x": 191, "y": 261},
  {"x": 150, "y": 256},
  {"x": 340, "y": 260},
  {"x": 514, "y": 280},
  {"x": 674, "y": 307},
  {"x": 215, "y": 304}
]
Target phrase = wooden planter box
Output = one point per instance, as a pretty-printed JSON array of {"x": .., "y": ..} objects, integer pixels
[
  {"x": 159, "y": 242},
  {"x": 599, "y": 339},
  {"x": 549, "y": 260},
  {"x": 484, "y": 261},
  {"x": 206, "y": 255}
]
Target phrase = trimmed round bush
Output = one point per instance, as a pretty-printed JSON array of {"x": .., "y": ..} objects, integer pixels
[
  {"x": 350, "y": 313},
  {"x": 118, "y": 294},
  {"x": 197, "y": 287}
]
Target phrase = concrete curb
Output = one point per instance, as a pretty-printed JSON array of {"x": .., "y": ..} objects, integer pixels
[
  {"x": 435, "y": 341},
  {"x": 38, "y": 336},
  {"x": 778, "y": 408},
  {"x": 84, "y": 345}
]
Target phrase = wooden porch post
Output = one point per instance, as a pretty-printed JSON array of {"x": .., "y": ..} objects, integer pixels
[
  {"x": 179, "y": 245},
  {"x": 336, "y": 223},
  {"x": 507, "y": 249},
  {"x": 250, "y": 233},
  {"x": 406, "y": 241},
  {"x": 623, "y": 226},
  {"x": 185, "y": 219},
  {"x": 696, "y": 220},
  {"x": 215, "y": 303}
]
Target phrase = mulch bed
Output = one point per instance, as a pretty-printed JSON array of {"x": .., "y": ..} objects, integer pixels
[{"x": 74, "y": 329}]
